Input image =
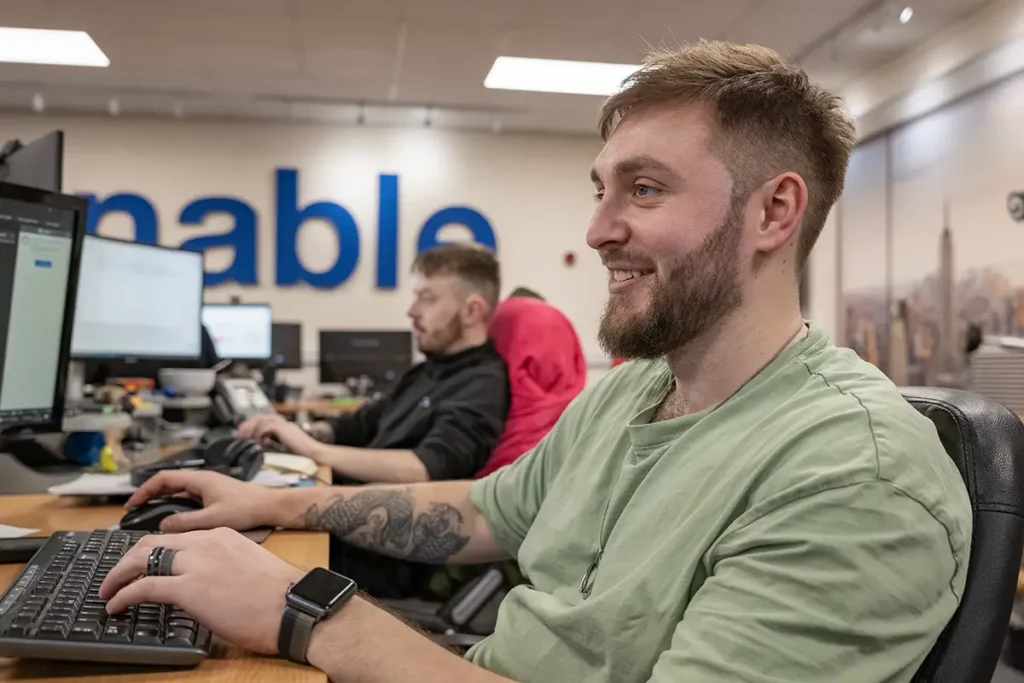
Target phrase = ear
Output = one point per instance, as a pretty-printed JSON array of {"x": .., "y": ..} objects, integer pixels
[
  {"x": 475, "y": 308},
  {"x": 783, "y": 205}
]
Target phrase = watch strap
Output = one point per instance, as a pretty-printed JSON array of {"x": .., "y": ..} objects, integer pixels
[{"x": 293, "y": 638}]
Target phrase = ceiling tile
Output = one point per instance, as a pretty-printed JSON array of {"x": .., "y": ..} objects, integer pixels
[
  {"x": 790, "y": 25},
  {"x": 577, "y": 18},
  {"x": 444, "y": 61},
  {"x": 670, "y": 22},
  {"x": 352, "y": 9},
  {"x": 464, "y": 12}
]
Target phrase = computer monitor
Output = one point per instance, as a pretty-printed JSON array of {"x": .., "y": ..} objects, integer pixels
[
  {"x": 286, "y": 346},
  {"x": 39, "y": 164},
  {"x": 381, "y": 356},
  {"x": 137, "y": 301},
  {"x": 41, "y": 237},
  {"x": 239, "y": 331}
]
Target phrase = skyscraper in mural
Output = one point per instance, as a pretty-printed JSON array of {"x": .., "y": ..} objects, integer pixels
[{"x": 947, "y": 298}]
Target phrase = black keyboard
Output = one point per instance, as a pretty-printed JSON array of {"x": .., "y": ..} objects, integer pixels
[{"x": 53, "y": 609}]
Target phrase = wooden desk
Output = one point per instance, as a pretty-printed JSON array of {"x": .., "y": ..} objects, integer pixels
[{"x": 225, "y": 664}]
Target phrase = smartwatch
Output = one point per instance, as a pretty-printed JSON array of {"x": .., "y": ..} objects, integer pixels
[{"x": 310, "y": 600}]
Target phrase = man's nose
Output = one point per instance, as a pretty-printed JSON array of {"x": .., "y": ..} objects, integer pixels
[{"x": 608, "y": 229}]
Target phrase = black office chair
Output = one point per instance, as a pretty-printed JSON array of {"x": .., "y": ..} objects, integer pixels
[{"x": 986, "y": 441}]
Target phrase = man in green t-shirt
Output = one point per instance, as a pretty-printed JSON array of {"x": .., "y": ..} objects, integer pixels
[{"x": 742, "y": 502}]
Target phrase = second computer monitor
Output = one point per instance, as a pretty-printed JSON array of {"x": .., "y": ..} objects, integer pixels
[
  {"x": 240, "y": 331},
  {"x": 40, "y": 250},
  {"x": 138, "y": 301},
  {"x": 286, "y": 346},
  {"x": 381, "y": 356}
]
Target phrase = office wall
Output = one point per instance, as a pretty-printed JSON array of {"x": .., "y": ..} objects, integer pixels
[
  {"x": 534, "y": 190},
  {"x": 928, "y": 244}
]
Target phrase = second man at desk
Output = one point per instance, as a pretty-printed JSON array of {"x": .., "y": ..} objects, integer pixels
[{"x": 443, "y": 417}]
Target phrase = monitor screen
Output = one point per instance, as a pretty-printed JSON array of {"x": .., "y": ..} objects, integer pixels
[
  {"x": 40, "y": 249},
  {"x": 286, "y": 345},
  {"x": 382, "y": 356},
  {"x": 137, "y": 301},
  {"x": 38, "y": 164},
  {"x": 239, "y": 331}
]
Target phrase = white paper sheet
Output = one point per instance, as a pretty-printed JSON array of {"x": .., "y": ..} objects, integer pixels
[
  {"x": 15, "y": 531},
  {"x": 91, "y": 484}
]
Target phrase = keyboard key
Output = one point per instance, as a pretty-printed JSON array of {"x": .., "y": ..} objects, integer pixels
[
  {"x": 180, "y": 637},
  {"x": 53, "y": 631},
  {"x": 88, "y": 631},
  {"x": 114, "y": 633},
  {"x": 146, "y": 636}
]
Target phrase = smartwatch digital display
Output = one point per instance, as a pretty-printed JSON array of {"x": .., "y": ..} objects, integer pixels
[
  {"x": 315, "y": 597},
  {"x": 321, "y": 591}
]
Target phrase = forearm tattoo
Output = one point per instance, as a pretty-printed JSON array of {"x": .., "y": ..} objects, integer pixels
[{"x": 385, "y": 521}]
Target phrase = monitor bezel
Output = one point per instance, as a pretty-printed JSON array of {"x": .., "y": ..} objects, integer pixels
[
  {"x": 79, "y": 206},
  {"x": 323, "y": 364},
  {"x": 289, "y": 324},
  {"x": 129, "y": 357},
  {"x": 270, "y": 329},
  {"x": 58, "y": 137}
]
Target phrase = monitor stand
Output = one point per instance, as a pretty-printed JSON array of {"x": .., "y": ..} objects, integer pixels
[
  {"x": 74, "y": 392},
  {"x": 30, "y": 466}
]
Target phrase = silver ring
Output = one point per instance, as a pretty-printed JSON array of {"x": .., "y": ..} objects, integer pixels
[
  {"x": 166, "y": 562},
  {"x": 161, "y": 561},
  {"x": 153, "y": 563}
]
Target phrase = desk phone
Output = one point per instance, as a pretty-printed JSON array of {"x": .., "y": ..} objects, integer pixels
[{"x": 239, "y": 398}]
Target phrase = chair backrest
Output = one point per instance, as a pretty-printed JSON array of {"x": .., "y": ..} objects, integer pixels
[{"x": 986, "y": 441}]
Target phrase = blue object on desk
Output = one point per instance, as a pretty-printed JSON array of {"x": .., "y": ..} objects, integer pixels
[{"x": 84, "y": 448}]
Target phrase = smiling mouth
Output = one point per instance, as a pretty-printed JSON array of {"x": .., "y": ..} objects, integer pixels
[{"x": 627, "y": 275}]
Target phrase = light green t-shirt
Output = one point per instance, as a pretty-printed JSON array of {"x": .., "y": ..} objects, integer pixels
[{"x": 810, "y": 528}]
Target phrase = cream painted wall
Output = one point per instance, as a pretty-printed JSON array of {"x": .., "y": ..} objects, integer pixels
[{"x": 535, "y": 190}]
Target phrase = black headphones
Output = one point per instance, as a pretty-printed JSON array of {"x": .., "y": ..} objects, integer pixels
[{"x": 238, "y": 458}]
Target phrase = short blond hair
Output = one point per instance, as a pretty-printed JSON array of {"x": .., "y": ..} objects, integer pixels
[{"x": 771, "y": 119}]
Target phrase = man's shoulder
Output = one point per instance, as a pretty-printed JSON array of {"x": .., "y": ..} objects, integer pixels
[
  {"x": 849, "y": 424},
  {"x": 852, "y": 403}
]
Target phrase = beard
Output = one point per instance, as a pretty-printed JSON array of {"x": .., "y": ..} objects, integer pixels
[
  {"x": 698, "y": 290},
  {"x": 437, "y": 343}
]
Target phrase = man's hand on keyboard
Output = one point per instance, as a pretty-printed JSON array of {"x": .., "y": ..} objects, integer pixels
[
  {"x": 275, "y": 428},
  {"x": 227, "y": 502},
  {"x": 233, "y": 586}
]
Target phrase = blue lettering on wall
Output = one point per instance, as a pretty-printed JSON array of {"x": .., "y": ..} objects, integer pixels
[
  {"x": 139, "y": 208},
  {"x": 242, "y": 238},
  {"x": 290, "y": 218},
  {"x": 387, "y": 232},
  {"x": 460, "y": 215}
]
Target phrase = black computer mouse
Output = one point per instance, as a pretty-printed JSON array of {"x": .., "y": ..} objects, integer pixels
[{"x": 147, "y": 517}]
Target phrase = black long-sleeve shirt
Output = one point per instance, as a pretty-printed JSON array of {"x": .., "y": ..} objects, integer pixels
[{"x": 448, "y": 410}]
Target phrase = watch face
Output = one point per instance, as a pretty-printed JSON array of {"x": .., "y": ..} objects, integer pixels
[{"x": 322, "y": 588}]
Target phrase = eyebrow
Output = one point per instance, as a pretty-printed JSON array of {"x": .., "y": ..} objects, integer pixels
[{"x": 635, "y": 166}]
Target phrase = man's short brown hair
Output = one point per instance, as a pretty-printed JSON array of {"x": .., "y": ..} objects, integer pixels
[
  {"x": 771, "y": 119},
  {"x": 472, "y": 263}
]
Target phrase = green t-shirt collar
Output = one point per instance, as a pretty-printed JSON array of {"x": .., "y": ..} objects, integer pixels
[{"x": 646, "y": 435}]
